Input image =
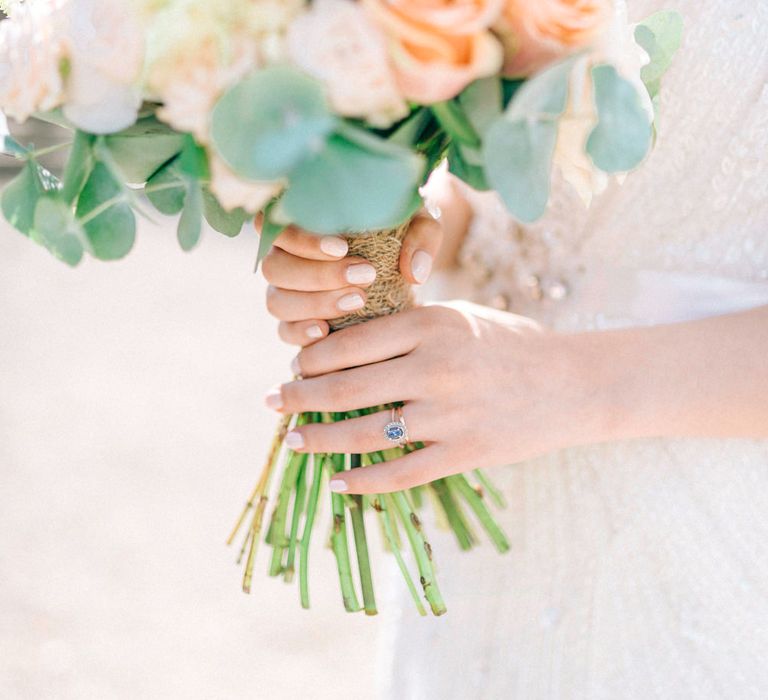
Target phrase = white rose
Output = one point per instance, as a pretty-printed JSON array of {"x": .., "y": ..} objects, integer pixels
[
  {"x": 31, "y": 53},
  {"x": 106, "y": 54},
  {"x": 336, "y": 42}
]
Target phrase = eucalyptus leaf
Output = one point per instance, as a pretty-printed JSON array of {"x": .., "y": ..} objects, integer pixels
[
  {"x": 472, "y": 174},
  {"x": 450, "y": 114},
  {"x": 660, "y": 35},
  {"x": 410, "y": 131},
  {"x": 56, "y": 228},
  {"x": 230, "y": 223},
  {"x": 519, "y": 146},
  {"x": 79, "y": 166},
  {"x": 191, "y": 220},
  {"x": 20, "y": 196},
  {"x": 268, "y": 123},
  {"x": 270, "y": 230},
  {"x": 167, "y": 189},
  {"x": 105, "y": 215},
  {"x": 142, "y": 148},
  {"x": 193, "y": 160},
  {"x": 482, "y": 103},
  {"x": 347, "y": 187},
  {"x": 623, "y": 134}
]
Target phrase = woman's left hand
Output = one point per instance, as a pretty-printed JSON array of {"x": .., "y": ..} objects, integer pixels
[{"x": 481, "y": 387}]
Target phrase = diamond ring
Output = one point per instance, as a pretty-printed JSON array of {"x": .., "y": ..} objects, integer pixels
[{"x": 396, "y": 431}]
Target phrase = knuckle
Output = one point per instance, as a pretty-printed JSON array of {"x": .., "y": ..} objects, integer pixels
[
  {"x": 273, "y": 301},
  {"x": 293, "y": 396},
  {"x": 268, "y": 265}
]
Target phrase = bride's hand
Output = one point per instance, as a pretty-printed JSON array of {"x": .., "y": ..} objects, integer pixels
[
  {"x": 481, "y": 388},
  {"x": 311, "y": 278}
]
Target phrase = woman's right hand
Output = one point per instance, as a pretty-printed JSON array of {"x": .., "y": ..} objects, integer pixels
[{"x": 311, "y": 278}]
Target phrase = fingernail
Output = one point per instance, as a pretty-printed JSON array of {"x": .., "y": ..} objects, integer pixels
[
  {"x": 334, "y": 246},
  {"x": 274, "y": 399},
  {"x": 295, "y": 366},
  {"x": 337, "y": 485},
  {"x": 421, "y": 266},
  {"x": 315, "y": 332},
  {"x": 294, "y": 440},
  {"x": 361, "y": 274},
  {"x": 350, "y": 302}
]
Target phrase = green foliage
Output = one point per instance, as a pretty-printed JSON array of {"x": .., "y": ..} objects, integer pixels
[
  {"x": 622, "y": 136},
  {"x": 8, "y": 145},
  {"x": 520, "y": 144},
  {"x": 266, "y": 125},
  {"x": 20, "y": 197},
  {"x": 270, "y": 230},
  {"x": 481, "y": 102},
  {"x": 461, "y": 162},
  {"x": 105, "y": 215},
  {"x": 141, "y": 149},
  {"x": 79, "y": 166},
  {"x": 450, "y": 114},
  {"x": 660, "y": 35},
  {"x": 348, "y": 186},
  {"x": 191, "y": 220},
  {"x": 167, "y": 188},
  {"x": 56, "y": 229},
  {"x": 193, "y": 161},
  {"x": 230, "y": 223}
]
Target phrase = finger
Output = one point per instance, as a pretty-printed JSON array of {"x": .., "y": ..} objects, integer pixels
[
  {"x": 351, "y": 389},
  {"x": 377, "y": 340},
  {"x": 420, "y": 248},
  {"x": 416, "y": 468},
  {"x": 358, "y": 435},
  {"x": 288, "y": 305},
  {"x": 311, "y": 246},
  {"x": 289, "y": 271},
  {"x": 302, "y": 332}
]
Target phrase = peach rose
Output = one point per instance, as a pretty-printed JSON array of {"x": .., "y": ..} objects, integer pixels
[
  {"x": 537, "y": 33},
  {"x": 438, "y": 48}
]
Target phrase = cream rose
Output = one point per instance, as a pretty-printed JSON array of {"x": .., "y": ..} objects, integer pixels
[
  {"x": 437, "y": 49},
  {"x": 233, "y": 191},
  {"x": 336, "y": 42}
]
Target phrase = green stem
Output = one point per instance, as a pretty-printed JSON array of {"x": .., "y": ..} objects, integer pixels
[
  {"x": 317, "y": 463},
  {"x": 477, "y": 504},
  {"x": 421, "y": 550},
  {"x": 496, "y": 495},
  {"x": 454, "y": 514},
  {"x": 380, "y": 507},
  {"x": 340, "y": 544},
  {"x": 298, "y": 508},
  {"x": 361, "y": 547}
]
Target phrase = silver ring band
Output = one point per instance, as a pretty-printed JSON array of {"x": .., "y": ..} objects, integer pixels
[{"x": 396, "y": 431}]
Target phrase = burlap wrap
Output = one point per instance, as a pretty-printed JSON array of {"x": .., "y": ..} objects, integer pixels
[{"x": 389, "y": 293}]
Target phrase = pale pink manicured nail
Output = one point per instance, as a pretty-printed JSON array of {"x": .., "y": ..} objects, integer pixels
[
  {"x": 421, "y": 266},
  {"x": 295, "y": 366},
  {"x": 362, "y": 273},
  {"x": 350, "y": 302},
  {"x": 337, "y": 485},
  {"x": 315, "y": 332},
  {"x": 274, "y": 399},
  {"x": 294, "y": 440},
  {"x": 334, "y": 246}
]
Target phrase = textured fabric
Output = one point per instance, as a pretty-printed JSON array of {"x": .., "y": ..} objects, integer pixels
[{"x": 638, "y": 569}]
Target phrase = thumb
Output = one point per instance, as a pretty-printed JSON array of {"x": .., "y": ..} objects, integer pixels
[{"x": 420, "y": 248}]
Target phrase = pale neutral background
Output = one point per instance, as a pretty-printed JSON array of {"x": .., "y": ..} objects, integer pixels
[{"x": 131, "y": 429}]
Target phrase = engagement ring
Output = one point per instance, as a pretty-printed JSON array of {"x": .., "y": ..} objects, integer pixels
[{"x": 395, "y": 431}]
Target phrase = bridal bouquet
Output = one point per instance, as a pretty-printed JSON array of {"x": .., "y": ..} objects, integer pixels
[{"x": 328, "y": 115}]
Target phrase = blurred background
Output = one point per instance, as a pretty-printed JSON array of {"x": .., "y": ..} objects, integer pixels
[{"x": 132, "y": 428}]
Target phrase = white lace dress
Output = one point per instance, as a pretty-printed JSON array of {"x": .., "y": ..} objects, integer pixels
[{"x": 638, "y": 570}]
